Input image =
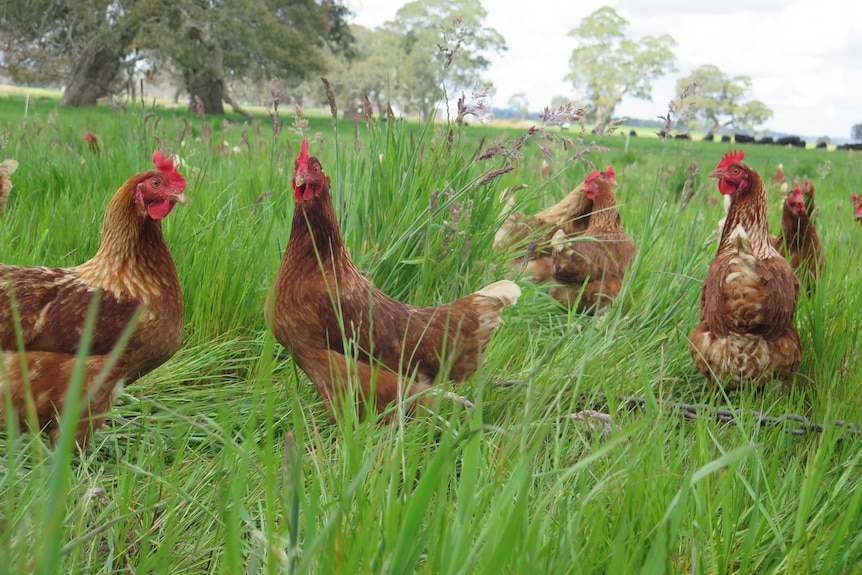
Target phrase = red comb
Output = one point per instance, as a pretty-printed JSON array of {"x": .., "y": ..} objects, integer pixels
[
  {"x": 796, "y": 191},
  {"x": 303, "y": 153},
  {"x": 166, "y": 166},
  {"x": 610, "y": 175},
  {"x": 732, "y": 157},
  {"x": 592, "y": 176}
]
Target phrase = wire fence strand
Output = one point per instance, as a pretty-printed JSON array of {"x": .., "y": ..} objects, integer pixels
[{"x": 793, "y": 423}]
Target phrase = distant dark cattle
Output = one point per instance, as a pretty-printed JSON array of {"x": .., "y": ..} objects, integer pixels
[
  {"x": 725, "y": 138},
  {"x": 794, "y": 141},
  {"x": 632, "y": 133},
  {"x": 682, "y": 136},
  {"x": 766, "y": 140},
  {"x": 821, "y": 144},
  {"x": 743, "y": 139},
  {"x": 709, "y": 137},
  {"x": 857, "y": 147}
]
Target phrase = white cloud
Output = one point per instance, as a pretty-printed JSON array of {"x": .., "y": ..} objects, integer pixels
[
  {"x": 372, "y": 13},
  {"x": 648, "y": 8}
]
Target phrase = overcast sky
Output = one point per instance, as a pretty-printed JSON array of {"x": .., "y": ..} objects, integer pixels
[{"x": 804, "y": 57}]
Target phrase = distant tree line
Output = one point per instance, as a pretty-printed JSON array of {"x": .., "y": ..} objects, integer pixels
[{"x": 431, "y": 50}]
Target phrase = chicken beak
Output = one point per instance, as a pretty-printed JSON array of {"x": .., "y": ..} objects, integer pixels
[
  {"x": 716, "y": 173},
  {"x": 298, "y": 180},
  {"x": 179, "y": 198}
]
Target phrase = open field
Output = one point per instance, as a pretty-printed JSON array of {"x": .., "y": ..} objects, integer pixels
[{"x": 194, "y": 474}]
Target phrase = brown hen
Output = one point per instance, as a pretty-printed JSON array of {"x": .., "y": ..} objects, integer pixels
[
  {"x": 324, "y": 311},
  {"x": 571, "y": 214},
  {"x": 798, "y": 241},
  {"x": 748, "y": 298},
  {"x": 7, "y": 168},
  {"x": 132, "y": 270},
  {"x": 590, "y": 266},
  {"x": 856, "y": 203}
]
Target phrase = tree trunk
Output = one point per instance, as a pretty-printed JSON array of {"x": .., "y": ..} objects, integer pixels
[
  {"x": 208, "y": 88},
  {"x": 206, "y": 79},
  {"x": 93, "y": 76},
  {"x": 714, "y": 128},
  {"x": 602, "y": 116}
]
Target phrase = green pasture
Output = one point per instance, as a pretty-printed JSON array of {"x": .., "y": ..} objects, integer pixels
[{"x": 224, "y": 460}]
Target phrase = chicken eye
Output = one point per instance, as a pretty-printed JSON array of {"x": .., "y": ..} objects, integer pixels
[{"x": 156, "y": 183}]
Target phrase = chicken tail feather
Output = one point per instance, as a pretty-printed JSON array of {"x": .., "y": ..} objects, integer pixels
[{"x": 507, "y": 292}]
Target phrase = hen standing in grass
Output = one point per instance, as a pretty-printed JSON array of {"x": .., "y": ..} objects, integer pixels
[
  {"x": 798, "y": 241},
  {"x": 749, "y": 295},
  {"x": 779, "y": 178},
  {"x": 323, "y": 310},
  {"x": 93, "y": 142},
  {"x": 7, "y": 168},
  {"x": 856, "y": 202},
  {"x": 571, "y": 214},
  {"x": 131, "y": 270},
  {"x": 590, "y": 266}
]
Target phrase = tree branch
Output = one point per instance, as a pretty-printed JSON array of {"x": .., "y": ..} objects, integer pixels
[{"x": 236, "y": 107}]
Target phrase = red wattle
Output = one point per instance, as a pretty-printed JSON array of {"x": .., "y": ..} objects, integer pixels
[
  {"x": 159, "y": 209},
  {"x": 725, "y": 188}
]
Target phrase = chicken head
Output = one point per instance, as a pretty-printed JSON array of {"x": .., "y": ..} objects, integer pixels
[
  {"x": 308, "y": 176},
  {"x": 732, "y": 176},
  {"x": 795, "y": 200},
  {"x": 159, "y": 190},
  {"x": 591, "y": 187}
]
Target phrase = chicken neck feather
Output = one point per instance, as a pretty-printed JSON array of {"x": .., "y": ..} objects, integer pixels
[{"x": 133, "y": 258}]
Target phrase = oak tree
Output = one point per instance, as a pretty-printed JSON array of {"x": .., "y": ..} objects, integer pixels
[{"x": 86, "y": 44}]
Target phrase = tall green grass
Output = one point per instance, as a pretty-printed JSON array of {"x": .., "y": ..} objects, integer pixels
[{"x": 224, "y": 460}]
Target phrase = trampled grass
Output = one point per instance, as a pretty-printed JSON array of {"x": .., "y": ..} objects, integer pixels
[{"x": 223, "y": 460}]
